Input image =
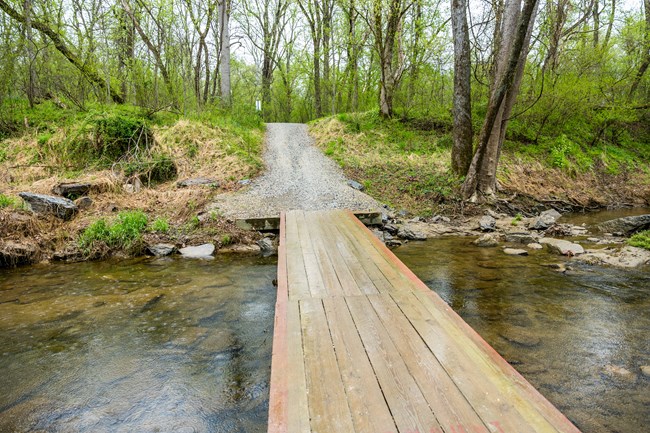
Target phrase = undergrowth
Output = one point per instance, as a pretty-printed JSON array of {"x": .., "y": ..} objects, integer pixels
[
  {"x": 641, "y": 240},
  {"x": 125, "y": 232}
]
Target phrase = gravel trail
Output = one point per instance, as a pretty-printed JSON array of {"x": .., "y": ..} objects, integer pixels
[{"x": 298, "y": 176}]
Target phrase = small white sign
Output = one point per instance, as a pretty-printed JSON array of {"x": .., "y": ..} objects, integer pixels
[{"x": 258, "y": 105}]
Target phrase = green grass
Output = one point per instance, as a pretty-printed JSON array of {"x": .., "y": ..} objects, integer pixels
[
  {"x": 7, "y": 201},
  {"x": 641, "y": 240},
  {"x": 160, "y": 225},
  {"x": 125, "y": 232}
]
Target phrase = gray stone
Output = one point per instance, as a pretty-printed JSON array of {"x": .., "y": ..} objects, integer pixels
[
  {"x": 619, "y": 372},
  {"x": 83, "y": 202},
  {"x": 487, "y": 223},
  {"x": 563, "y": 247},
  {"x": 440, "y": 219},
  {"x": 266, "y": 246},
  {"x": 595, "y": 240},
  {"x": 534, "y": 246},
  {"x": 487, "y": 240},
  {"x": 626, "y": 257},
  {"x": 545, "y": 220},
  {"x": 627, "y": 225},
  {"x": 515, "y": 252},
  {"x": 198, "y": 252},
  {"x": 391, "y": 229},
  {"x": 133, "y": 186},
  {"x": 71, "y": 190},
  {"x": 197, "y": 181},
  {"x": 244, "y": 182},
  {"x": 645, "y": 370},
  {"x": 411, "y": 233},
  {"x": 356, "y": 185},
  {"x": 46, "y": 204},
  {"x": 520, "y": 237},
  {"x": 393, "y": 243},
  {"x": 241, "y": 249},
  {"x": 161, "y": 250}
]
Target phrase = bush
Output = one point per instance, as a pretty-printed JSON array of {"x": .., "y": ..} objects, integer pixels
[
  {"x": 153, "y": 170},
  {"x": 160, "y": 225},
  {"x": 124, "y": 233},
  {"x": 6, "y": 201},
  {"x": 641, "y": 240}
]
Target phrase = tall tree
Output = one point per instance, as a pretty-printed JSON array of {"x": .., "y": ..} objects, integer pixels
[
  {"x": 29, "y": 50},
  {"x": 312, "y": 12},
  {"x": 461, "y": 154},
  {"x": 224, "y": 50},
  {"x": 511, "y": 56}
]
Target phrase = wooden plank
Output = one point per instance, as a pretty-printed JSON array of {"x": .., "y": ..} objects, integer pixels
[
  {"x": 346, "y": 279},
  {"x": 298, "y": 408},
  {"x": 328, "y": 405},
  {"x": 312, "y": 268},
  {"x": 450, "y": 406},
  {"x": 330, "y": 279},
  {"x": 369, "y": 410},
  {"x": 296, "y": 275},
  {"x": 349, "y": 255},
  {"x": 278, "y": 404},
  {"x": 408, "y": 406},
  {"x": 438, "y": 308}
]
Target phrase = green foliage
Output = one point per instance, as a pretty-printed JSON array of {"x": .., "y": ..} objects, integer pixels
[
  {"x": 125, "y": 232},
  {"x": 516, "y": 220},
  {"x": 160, "y": 225},
  {"x": 641, "y": 240},
  {"x": 7, "y": 201},
  {"x": 226, "y": 240}
]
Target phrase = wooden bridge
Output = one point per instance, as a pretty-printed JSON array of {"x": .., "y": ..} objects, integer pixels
[{"x": 362, "y": 345}]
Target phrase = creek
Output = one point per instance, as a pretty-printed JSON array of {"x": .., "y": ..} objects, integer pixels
[{"x": 178, "y": 345}]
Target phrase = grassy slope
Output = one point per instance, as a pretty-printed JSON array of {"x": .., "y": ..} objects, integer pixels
[
  {"x": 406, "y": 164},
  {"x": 68, "y": 145}
]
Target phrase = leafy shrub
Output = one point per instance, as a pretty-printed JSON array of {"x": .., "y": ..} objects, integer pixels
[
  {"x": 125, "y": 232},
  {"x": 641, "y": 240},
  {"x": 160, "y": 225},
  {"x": 6, "y": 201},
  {"x": 117, "y": 134}
]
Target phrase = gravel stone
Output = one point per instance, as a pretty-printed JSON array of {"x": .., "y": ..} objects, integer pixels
[{"x": 298, "y": 176}]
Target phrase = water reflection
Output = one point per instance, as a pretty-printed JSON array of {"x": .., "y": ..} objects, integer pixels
[
  {"x": 563, "y": 331},
  {"x": 147, "y": 345}
]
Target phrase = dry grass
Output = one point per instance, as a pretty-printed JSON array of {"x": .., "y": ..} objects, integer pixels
[{"x": 197, "y": 150}]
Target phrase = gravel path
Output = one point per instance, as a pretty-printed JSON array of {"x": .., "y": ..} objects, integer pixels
[{"x": 298, "y": 176}]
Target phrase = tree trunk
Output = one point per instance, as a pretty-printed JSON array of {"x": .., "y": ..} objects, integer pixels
[
  {"x": 481, "y": 176},
  {"x": 86, "y": 69},
  {"x": 461, "y": 154},
  {"x": 29, "y": 48},
  {"x": 224, "y": 61},
  {"x": 646, "y": 53},
  {"x": 311, "y": 10}
]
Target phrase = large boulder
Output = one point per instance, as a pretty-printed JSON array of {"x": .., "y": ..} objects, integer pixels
[
  {"x": 46, "y": 204},
  {"x": 161, "y": 250},
  {"x": 545, "y": 220},
  {"x": 626, "y": 257},
  {"x": 198, "y": 252},
  {"x": 487, "y": 223},
  {"x": 561, "y": 246},
  {"x": 411, "y": 233},
  {"x": 627, "y": 225},
  {"x": 520, "y": 237},
  {"x": 72, "y": 190},
  {"x": 487, "y": 240}
]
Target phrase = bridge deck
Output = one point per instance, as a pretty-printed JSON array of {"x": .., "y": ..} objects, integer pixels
[{"x": 362, "y": 345}]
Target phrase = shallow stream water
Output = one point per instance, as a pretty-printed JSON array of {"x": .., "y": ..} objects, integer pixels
[
  {"x": 137, "y": 346},
  {"x": 172, "y": 345}
]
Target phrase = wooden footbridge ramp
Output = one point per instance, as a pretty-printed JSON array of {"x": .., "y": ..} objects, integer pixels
[{"x": 362, "y": 345}]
